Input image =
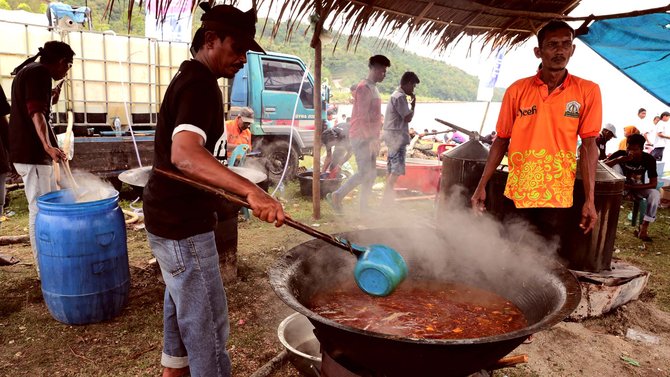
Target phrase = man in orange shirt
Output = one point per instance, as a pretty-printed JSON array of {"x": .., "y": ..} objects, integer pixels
[
  {"x": 237, "y": 130},
  {"x": 540, "y": 119},
  {"x": 366, "y": 125}
]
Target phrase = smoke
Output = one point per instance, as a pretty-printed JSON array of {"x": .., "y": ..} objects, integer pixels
[
  {"x": 86, "y": 187},
  {"x": 463, "y": 246},
  {"x": 480, "y": 248}
]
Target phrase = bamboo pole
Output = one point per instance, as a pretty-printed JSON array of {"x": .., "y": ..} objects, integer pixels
[{"x": 318, "y": 121}]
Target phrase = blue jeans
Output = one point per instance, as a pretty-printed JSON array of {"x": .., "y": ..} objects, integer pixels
[
  {"x": 366, "y": 173},
  {"x": 653, "y": 198},
  {"x": 395, "y": 163},
  {"x": 195, "y": 312},
  {"x": 657, "y": 153}
]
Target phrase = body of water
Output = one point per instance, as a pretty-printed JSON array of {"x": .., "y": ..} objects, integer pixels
[{"x": 468, "y": 115}]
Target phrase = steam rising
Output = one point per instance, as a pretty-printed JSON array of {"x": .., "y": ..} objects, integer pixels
[
  {"x": 463, "y": 247},
  {"x": 87, "y": 187}
]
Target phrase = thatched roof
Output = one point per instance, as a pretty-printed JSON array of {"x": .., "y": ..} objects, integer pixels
[
  {"x": 498, "y": 23},
  {"x": 440, "y": 23}
]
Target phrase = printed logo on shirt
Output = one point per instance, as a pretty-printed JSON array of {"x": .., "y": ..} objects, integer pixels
[
  {"x": 528, "y": 111},
  {"x": 572, "y": 109}
]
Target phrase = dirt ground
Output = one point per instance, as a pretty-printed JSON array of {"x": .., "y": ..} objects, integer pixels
[{"x": 34, "y": 344}]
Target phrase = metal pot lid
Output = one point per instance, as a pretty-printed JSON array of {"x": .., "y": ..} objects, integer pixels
[
  {"x": 603, "y": 173},
  {"x": 253, "y": 175},
  {"x": 471, "y": 150},
  {"x": 139, "y": 177}
]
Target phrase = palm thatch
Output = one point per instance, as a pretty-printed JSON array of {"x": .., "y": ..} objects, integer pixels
[{"x": 440, "y": 23}]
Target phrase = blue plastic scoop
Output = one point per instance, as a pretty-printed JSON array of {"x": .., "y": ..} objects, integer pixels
[{"x": 379, "y": 269}]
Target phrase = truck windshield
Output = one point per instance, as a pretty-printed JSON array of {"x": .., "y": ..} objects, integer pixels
[{"x": 284, "y": 76}]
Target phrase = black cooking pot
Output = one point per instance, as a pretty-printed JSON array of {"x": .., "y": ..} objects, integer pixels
[
  {"x": 546, "y": 296},
  {"x": 327, "y": 184}
]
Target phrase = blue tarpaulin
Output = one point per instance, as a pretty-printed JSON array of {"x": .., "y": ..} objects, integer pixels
[{"x": 639, "y": 47}]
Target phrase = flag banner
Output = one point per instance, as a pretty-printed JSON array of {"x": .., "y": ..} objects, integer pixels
[
  {"x": 176, "y": 27},
  {"x": 487, "y": 83}
]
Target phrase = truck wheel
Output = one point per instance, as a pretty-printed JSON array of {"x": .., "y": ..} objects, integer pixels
[{"x": 275, "y": 157}]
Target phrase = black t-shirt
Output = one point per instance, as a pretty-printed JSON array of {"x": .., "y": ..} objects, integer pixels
[
  {"x": 32, "y": 83},
  {"x": 175, "y": 210},
  {"x": 601, "y": 142},
  {"x": 634, "y": 170},
  {"x": 4, "y": 134}
]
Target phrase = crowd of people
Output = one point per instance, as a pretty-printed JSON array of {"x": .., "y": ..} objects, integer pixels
[
  {"x": 541, "y": 119},
  {"x": 655, "y": 132},
  {"x": 637, "y": 158}
]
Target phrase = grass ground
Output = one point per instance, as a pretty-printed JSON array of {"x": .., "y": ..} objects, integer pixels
[{"x": 34, "y": 344}]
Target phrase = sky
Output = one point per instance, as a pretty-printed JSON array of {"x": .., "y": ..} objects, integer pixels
[{"x": 621, "y": 96}]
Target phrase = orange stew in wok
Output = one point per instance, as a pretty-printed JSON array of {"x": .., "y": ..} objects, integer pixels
[{"x": 422, "y": 310}]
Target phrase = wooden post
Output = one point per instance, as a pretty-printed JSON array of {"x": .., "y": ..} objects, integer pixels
[{"x": 318, "y": 121}]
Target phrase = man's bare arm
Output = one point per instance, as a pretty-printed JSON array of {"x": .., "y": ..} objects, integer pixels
[
  {"x": 588, "y": 160},
  {"x": 496, "y": 154},
  {"x": 189, "y": 155},
  {"x": 42, "y": 128}
]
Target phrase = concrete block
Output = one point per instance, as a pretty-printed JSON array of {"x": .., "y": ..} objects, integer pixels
[{"x": 607, "y": 290}]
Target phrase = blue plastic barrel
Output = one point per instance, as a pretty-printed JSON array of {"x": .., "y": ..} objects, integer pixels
[{"x": 83, "y": 257}]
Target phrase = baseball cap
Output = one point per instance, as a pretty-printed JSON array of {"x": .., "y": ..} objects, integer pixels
[
  {"x": 610, "y": 127},
  {"x": 247, "y": 115},
  {"x": 242, "y": 25}
]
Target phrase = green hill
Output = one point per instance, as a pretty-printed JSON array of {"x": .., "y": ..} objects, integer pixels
[{"x": 341, "y": 68}]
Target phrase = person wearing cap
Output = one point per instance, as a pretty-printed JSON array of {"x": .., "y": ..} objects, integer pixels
[
  {"x": 33, "y": 148},
  {"x": 606, "y": 134},
  {"x": 661, "y": 135},
  {"x": 635, "y": 165},
  {"x": 540, "y": 119},
  {"x": 180, "y": 219},
  {"x": 366, "y": 124},
  {"x": 237, "y": 130}
]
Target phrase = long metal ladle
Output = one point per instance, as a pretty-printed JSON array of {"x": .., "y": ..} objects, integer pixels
[{"x": 379, "y": 268}]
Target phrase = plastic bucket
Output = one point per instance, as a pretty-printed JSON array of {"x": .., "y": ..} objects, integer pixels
[{"x": 83, "y": 257}]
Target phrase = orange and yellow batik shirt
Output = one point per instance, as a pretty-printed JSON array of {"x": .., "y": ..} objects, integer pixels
[{"x": 543, "y": 130}]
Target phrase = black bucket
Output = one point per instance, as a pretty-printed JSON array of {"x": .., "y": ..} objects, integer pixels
[{"x": 327, "y": 184}]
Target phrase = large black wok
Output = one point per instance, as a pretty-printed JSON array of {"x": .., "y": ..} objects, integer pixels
[{"x": 545, "y": 295}]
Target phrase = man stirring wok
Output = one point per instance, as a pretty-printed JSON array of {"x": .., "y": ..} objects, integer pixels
[
  {"x": 180, "y": 220},
  {"x": 540, "y": 119}
]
